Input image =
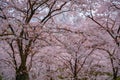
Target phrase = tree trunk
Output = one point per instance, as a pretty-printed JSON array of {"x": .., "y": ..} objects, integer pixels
[
  {"x": 22, "y": 73},
  {"x": 75, "y": 69},
  {"x": 22, "y": 76},
  {"x": 115, "y": 76},
  {"x": 75, "y": 78}
]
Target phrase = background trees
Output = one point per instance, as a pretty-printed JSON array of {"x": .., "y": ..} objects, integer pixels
[{"x": 109, "y": 25}]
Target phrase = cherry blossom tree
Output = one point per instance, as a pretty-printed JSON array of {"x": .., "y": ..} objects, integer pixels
[
  {"x": 60, "y": 39},
  {"x": 21, "y": 34}
]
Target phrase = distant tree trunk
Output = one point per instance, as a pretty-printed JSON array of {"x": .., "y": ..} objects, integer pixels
[
  {"x": 115, "y": 74},
  {"x": 75, "y": 69},
  {"x": 115, "y": 77},
  {"x": 75, "y": 77}
]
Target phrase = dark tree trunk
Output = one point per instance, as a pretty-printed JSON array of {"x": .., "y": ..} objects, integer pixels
[{"x": 22, "y": 74}]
